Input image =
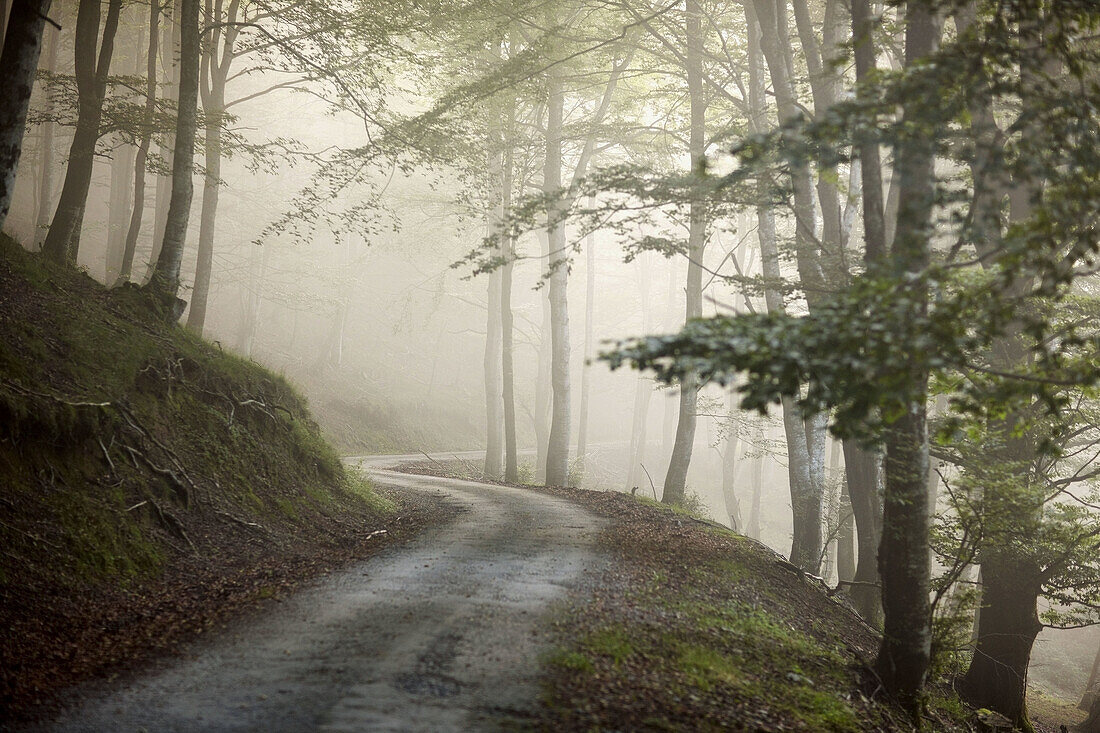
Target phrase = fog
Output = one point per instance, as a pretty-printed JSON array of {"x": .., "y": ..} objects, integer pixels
[{"x": 370, "y": 186}]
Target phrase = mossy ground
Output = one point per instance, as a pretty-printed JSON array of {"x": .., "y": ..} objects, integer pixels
[{"x": 148, "y": 479}]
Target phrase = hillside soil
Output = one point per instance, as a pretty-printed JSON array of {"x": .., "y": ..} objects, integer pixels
[{"x": 151, "y": 486}]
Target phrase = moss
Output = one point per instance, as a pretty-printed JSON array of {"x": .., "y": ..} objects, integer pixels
[
  {"x": 239, "y": 438},
  {"x": 705, "y": 667},
  {"x": 569, "y": 660},
  {"x": 612, "y": 642}
]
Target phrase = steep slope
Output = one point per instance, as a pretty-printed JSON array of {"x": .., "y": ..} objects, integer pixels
[{"x": 149, "y": 481}]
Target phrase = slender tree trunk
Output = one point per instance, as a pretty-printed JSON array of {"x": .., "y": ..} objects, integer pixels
[
  {"x": 493, "y": 359},
  {"x": 643, "y": 389},
  {"x": 904, "y": 656},
  {"x": 805, "y": 433},
  {"x": 170, "y": 53},
  {"x": 211, "y": 192},
  {"x": 731, "y": 468},
  {"x": 680, "y": 460},
  {"x": 997, "y": 677},
  {"x": 508, "y": 380},
  {"x": 541, "y": 417},
  {"x": 250, "y": 322},
  {"x": 165, "y": 282},
  {"x": 45, "y": 183},
  {"x": 863, "y": 478},
  {"x": 141, "y": 159},
  {"x": 18, "y": 62},
  {"x": 752, "y": 527},
  {"x": 122, "y": 165},
  {"x": 589, "y": 348},
  {"x": 214, "y": 70},
  {"x": 557, "y": 444},
  {"x": 63, "y": 240},
  {"x": 845, "y": 540}
]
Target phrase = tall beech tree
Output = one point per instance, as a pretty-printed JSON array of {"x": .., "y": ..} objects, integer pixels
[
  {"x": 165, "y": 281},
  {"x": 92, "y": 68}
]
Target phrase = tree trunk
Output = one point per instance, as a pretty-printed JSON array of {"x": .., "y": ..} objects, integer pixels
[
  {"x": 680, "y": 460},
  {"x": 752, "y": 527},
  {"x": 845, "y": 540},
  {"x": 122, "y": 165},
  {"x": 251, "y": 320},
  {"x": 507, "y": 373},
  {"x": 731, "y": 468},
  {"x": 165, "y": 282},
  {"x": 557, "y": 444},
  {"x": 493, "y": 359},
  {"x": 22, "y": 41},
  {"x": 997, "y": 677},
  {"x": 170, "y": 54},
  {"x": 863, "y": 479},
  {"x": 870, "y": 158},
  {"x": 643, "y": 389},
  {"x": 214, "y": 108},
  {"x": 45, "y": 183},
  {"x": 63, "y": 240},
  {"x": 541, "y": 416},
  {"x": 643, "y": 395},
  {"x": 214, "y": 71},
  {"x": 141, "y": 159},
  {"x": 589, "y": 348},
  {"x": 904, "y": 656}
]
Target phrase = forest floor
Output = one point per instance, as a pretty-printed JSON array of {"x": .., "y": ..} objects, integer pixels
[{"x": 688, "y": 625}]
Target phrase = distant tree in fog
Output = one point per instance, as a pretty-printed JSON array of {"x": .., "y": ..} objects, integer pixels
[{"x": 93, "y": 64}]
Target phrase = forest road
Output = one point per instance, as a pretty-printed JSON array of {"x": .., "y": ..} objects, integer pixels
[{"x": 440, "y": 634}]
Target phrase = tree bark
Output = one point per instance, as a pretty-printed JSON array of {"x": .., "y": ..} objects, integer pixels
[
  {"x": 589, "y": 348},
  {"x": 643, "y": 388},
  {"x": 214, "y": 72},
  {"x": 141, "y": 159},
  {"x": 676, "y": 478},
  {"x": 507, "y": 328},
  {"x": 845, "y": 540},
  {"x": 18, "y": 62},
  {"x": 122, "y": 165},
  {"x": 1009, "y": 623},
  {"x": 214, "y": 108},
  {"x": 45, "y": 182},
  {"x": 557, "y": 444},
  {"x": 170, "y": 54},
  {"x": 731, "y": 468},
  {"x": 904, "y": 655},
  {"x": 63, "y": 240},
  {"x": 246, "y": 338},
  {"x": 805, "y": 433},
  {"x": 493, "y": 358},
  {"x": 863, "y": 479},
  {"x": 541, "y": 416},
  {"x": 165, "y": 282}
]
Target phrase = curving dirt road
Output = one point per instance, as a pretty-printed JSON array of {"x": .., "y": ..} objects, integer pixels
[{"x": 440, "y": 634}]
